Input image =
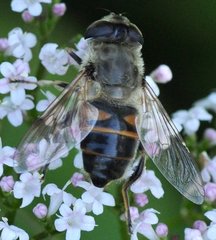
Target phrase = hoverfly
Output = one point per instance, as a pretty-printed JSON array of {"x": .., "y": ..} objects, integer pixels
[{"x": 112, "y": 112}]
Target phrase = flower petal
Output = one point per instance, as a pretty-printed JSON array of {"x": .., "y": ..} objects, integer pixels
[
  {"x": 73, "y": 233},
  {"x": 18, "y": 6}
]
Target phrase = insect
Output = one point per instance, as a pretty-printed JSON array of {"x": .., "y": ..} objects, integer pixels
[{"x": 112, "y": 112}]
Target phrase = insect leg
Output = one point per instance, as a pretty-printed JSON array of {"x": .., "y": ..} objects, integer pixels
[
  {"x": 75, "y": 57},
  {"x": 137, "y": 173},
  {"x": 44, "y": 171},
  {"x": 63, "y": 85}
]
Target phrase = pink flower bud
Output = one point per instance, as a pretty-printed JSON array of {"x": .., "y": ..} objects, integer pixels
[
  {"x": 59, "y": 9},
  {"x": 3, "y": 44},
  {"x": 210, "y": 135},
  {"x": 210, "y": 191},
  {"x": 162, "y": 74},
  {"x": 40, "y": 210},
  {"x": 21, "y": 67},
  {"x": 141, "y": 199},
  {"x": 134, "y": 213},
  {"x": 27, "y": 17},
  {"x": 77, "y": 177},
  {"x": 200, "y": 225},
  {"x": 162, "y": 230},
  {"x": 7, "y": 183}
]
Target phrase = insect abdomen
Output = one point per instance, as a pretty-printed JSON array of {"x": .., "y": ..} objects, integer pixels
[{"x": 112, "y": 143}]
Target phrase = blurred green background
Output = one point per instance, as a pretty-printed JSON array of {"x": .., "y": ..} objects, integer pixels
[{"x": 179, "y": 33}]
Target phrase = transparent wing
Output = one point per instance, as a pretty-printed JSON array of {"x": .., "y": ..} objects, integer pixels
[
  {"x": 164, "y": 145},
  {"x": 62, "y": 126}
]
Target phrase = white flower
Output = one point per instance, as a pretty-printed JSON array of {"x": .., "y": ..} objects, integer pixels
[
  {"x": 11, "y": 232},
  {"x": 78, "y": 159},
  {"x": 55, "y": 164},
  {"x": 148, "y": 181},
  {"x": 34, "y": 6},
  {"x": 44, "y": 150},
  {"x": 53, "y": 59},
  {"x": 211, "y": 230},
  {"x": 74, "y": 221},
  {"x": 6, "y": 156},
  {"x": 15, "y": 112},
  {"x": 27, "y": 188},
  {"x": 211, "y": 215},
  {"x": 95, "y": 198},
  {"x": 57, "y": 197},
  {"x": 210, "y": 192},
  {"x": 209, "y": 170},
  {"x": 208, "y": 102},
  {"x": 190, "y": 120},
  {"x": 143, "y": 225},
  {"x": 82, "y": 47},
  {"x": 16, "y": 80},
  {"x": 82, "y": 50},
  {"x": 19, "y": 44},
  {"x": 43, "y": 104},
  {"x": 192, "y": 234}
]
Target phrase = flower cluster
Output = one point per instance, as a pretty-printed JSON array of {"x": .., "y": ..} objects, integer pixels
[
  {"x": 73, "y": 218},
  {"x": 202, "y": 231},
  {"x": 15, "y": 79}
]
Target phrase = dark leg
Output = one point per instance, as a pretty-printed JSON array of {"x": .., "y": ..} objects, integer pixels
[
  {"x": 75, "y": 57},
  {"x": 125, "y": 188},
  {"x": 63, "y": 85},
  {"x": 43, "y": 172}
]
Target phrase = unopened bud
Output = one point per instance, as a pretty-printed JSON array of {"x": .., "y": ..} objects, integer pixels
[
  {"x": 40, "y": 210},
  {"x": 27, "y": 17},
  {"x": 162, "y": 74},
  {"x": 59, "y": 9},
  {"x": 7, "y": 183},
  {"x": 162, "y": 230},
  {"x": 141, "y": 199},
  {"x": 77, "y": 177}
]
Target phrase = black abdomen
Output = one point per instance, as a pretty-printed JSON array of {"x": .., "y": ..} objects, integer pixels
[{"x": 112, "y": 143}]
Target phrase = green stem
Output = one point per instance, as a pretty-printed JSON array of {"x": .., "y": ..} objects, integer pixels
[
  {"x": 40, "y": 236},
  {"x": 49, "y": 232},
  {"x": 10, "y": 206},
  {"x": 11, "y": 215}
]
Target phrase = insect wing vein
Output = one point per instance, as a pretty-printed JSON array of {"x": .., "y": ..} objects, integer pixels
[
  {"x": 62, "y": 126},
  {"x": 164, "y": 145}
]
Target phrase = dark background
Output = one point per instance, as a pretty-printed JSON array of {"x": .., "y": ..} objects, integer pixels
[{"x": 179, "y": 33}]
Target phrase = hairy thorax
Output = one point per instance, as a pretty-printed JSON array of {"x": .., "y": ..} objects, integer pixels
[{"x": 118, "y": 68}]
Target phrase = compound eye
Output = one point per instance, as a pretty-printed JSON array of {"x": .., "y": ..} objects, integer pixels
[
  {"x": 99, "y": 29},
  {"x": 135, "y": 35}
]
